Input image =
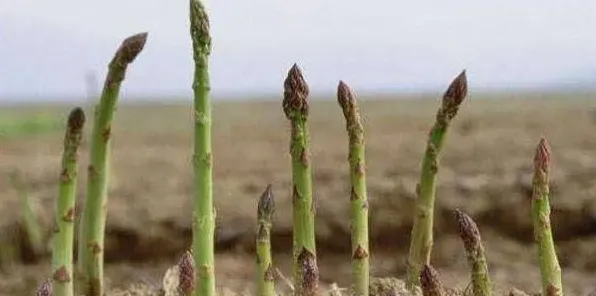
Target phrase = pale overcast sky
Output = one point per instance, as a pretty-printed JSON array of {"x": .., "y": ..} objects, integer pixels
[{"x": 47, "y": 47}]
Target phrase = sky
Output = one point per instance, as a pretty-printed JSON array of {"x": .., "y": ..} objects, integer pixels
[{"x": 48, "y": 48}]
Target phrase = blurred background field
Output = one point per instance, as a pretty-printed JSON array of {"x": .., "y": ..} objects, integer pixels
[{"x": 486, "y": 171}]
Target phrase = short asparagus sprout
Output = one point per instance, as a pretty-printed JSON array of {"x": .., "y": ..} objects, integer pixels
[
  {"x": 45, "y": 288},
  {"x": 431, "y": 282},
  {"x": 295, "y": 106},
  {"x": 265, "y": 212},
  {"x": 186, "y": 274},
  {"x": 549, "y": 264},
  {"x": 358, "y": 196},
  {"x": 62, "y": 250},
  {"x": 421, "y": 239},
  {"x": 93, "y": 220},
  {"x": 470, "y": 236}
]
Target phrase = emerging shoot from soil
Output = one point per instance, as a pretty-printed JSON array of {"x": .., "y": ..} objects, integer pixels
[
  {"x": 265, "y": 212},
  {"x": 358, "y": 197},
  {"x": 62, "y": 248},
  {"x": 29, "y": 219},
  {"x": 470, "y": 236},
  {"x": 430, "y": 282},
  {"x": 45, "y": 288},
  {"x": 203, "y": 221},
  {"x": 186, "y": 274},
  {"x": 295, "y": 106},
  {"x": 93, "y": 220},
  {"x": 421, "y": 238},
  {"x": 547, "y": 256}
]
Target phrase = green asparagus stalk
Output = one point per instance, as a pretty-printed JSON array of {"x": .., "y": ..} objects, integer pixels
[
  {"x": 549, "y": 264},
  {"x": 309, "y": 274},
  {"x": 62, "y": 249},
  {"x": 29, "y": 219},
  {"x": 470, "y": 236},
  {"x": 45, "y": 288},
  {"x": 358, "y": 197},
  {"x": 421, "y": 239},
  {"x": 91, "y": 242},
  {"x": 430, "y": 282},
  {"x": 204, "y": 212},
  {"x": 186, "y": 274},
  {"x": 265, "y": 212},
  {"x": 295, "y": 106}
]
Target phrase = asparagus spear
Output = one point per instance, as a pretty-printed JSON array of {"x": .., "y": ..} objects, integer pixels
[
  {"x": 430, "y": 282},
  {"x": 549, "y": 264},
  {"x": 186, "y": 274},
  {"x": 421, "y": 240},
  {"x": 295, "y": 106},
  {"x": 204, "y": 211},
  {"x": 265, "y": 211},
  {"x": 91, "y": 242},
  {"x": 470, "y": 235},
  {"x": 62, "y": 250},
  {"x": 358, "y": 197}
]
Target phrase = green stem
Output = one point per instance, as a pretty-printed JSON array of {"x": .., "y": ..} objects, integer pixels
[
  {"x": 265, "y": 211},
  {"x": 204, "y": 212},
  {"x": 470, "y": 236},
  {"x": 295, "y": 106},
  {"x": 547, "y": 256},
  {"x": 62, "y": 249},
  {"x": 358, "y": 196},
  {"x": 93, "y": 221},
  {"x": 421, "y": 239}
]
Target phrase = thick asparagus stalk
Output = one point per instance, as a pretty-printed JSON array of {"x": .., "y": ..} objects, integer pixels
[
  {"x": 470, "y": 236},
  {"x": 265, "y": 212},
  {"x": 204, "y": 212},
  {"x": 186, "y": 274},
  {"x": 62, "y": 249},
  {"x": 547, "y": 256},
  {"x": 358, "y": 197},
  {"x": 93, "y": 221},
  {"x": 295, "y": 106},
  {"x": 421, "y": 239},
  {"x": 430, "y": 282}
]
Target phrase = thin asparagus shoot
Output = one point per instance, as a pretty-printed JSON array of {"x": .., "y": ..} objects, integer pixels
[
  {"x": 93, "y": 220},
  {"x": 29, "y": 219},
  {"x": 265, "y": 212},
  {"x": 44, "y": 289},
  {"x": 295, "y": 106},
  {"x": 550, "y": 269},
  {"x": 421, "y": 239},
  {"x": 62, "y": 244},
  {"x": 470, "y": 236},
  {"x": 358, "y": 196},
  {"x": 431, "y": 282},
  {"x": 204, "y": 211}
]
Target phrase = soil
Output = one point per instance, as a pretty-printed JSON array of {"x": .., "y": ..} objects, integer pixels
[{"x": 485, "y": 170}]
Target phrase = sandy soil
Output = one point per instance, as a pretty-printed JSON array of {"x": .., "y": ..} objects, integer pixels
[{"x": 485, "y": 171}]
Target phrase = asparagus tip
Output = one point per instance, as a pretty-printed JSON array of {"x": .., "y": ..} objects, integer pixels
[
  {"x": 468, "y": 230},
  {"x": 266, "y": 205},
  {"x": 186, "y": 277},
  {"x": 345, "y": 96},
  {"x": 456, "y": 92},
  {"x": 542, "y": 157},
  {"x": 76, "y": 119},
  {"x": 45, "y": 289},
  {"x": 131, "y": 47},
  {"x": 430, "y": 281},
  {"x": 295, "y": 93},
  {"x": 310, "y": 272}
]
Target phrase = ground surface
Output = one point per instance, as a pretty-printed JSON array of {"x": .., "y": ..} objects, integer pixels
[{"x": 485, "y": 171}]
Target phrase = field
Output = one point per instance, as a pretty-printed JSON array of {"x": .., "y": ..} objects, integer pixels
[{"x": 486, "y": 170}]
